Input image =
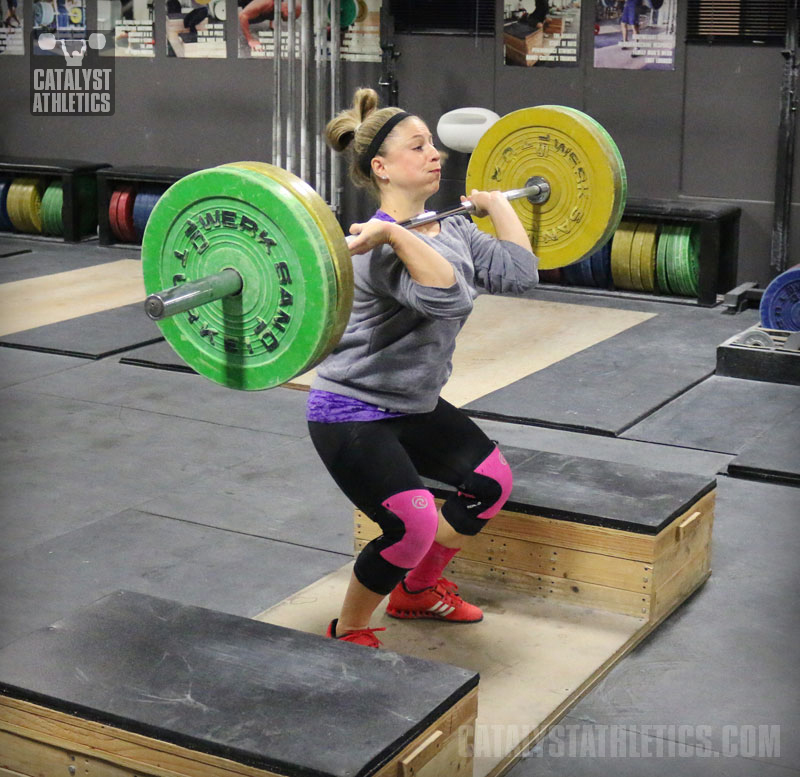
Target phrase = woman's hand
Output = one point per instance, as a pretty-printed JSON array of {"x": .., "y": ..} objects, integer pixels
[
  {"x": 507, "y": 225},
  {"x": 485, "y": 202},
  {"x": 424, "y": 264},
  {"x": 368, "y": 235}
]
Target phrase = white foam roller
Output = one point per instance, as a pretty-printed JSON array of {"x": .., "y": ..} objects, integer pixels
[{"x": 462, "y": 128}]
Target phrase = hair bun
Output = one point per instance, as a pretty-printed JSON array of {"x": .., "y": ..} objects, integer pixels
[{"x": 365, "y": 101}]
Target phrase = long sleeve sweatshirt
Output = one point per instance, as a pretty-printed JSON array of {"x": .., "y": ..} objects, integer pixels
[{"x": 396, "y": 351}]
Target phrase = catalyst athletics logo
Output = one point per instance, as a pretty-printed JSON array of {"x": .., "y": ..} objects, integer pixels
[{"x": 72, "y": 73}]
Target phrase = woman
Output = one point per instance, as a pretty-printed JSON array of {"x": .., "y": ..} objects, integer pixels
[
  {"x": 629, "y": 20},
  {"x": 374, "y": 410}
]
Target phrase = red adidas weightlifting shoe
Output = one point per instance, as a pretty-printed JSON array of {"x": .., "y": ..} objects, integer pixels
[
  {"x": 440, "y": 602},
  {"x": 364, "y": 637}
]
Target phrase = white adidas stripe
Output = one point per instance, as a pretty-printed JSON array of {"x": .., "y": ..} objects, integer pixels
[{"x": 440, "y": 608}]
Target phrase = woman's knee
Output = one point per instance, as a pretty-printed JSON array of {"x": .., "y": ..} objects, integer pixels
[
  {"x": 409, "y": 520},
  {"x": 484, "y": 492},
  {"x": 418, "y": 521}
]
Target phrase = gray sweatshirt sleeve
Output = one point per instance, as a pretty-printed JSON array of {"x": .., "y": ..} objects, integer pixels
[
  {"x": 501, "y": 267},
  {"x": 389, "y": 277}
]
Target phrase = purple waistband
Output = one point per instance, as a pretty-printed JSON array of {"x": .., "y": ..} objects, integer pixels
[{"x": 329, "y": 408}]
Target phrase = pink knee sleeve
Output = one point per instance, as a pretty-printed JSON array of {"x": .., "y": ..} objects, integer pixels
[
  {"x": 496, "y": 467},
  {"x": 417, "y": 510}
]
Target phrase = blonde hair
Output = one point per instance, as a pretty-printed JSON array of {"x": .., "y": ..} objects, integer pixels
[{"x": 353, "y": 129}]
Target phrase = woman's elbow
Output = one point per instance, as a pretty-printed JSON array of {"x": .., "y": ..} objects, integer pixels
[
  {"x": 518, "y": 284},
  {"x": 453, "y": 310},
  {"x": 461, "y": 310},
  {"x": 530, "y": 282}
]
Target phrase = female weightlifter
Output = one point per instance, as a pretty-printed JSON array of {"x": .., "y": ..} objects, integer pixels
[
  {"x": 629, "y": 20},
  {"x": 374, "y": 410}
]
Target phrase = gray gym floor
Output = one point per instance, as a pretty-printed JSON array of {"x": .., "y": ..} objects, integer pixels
[{"x": 118, "y": 476}]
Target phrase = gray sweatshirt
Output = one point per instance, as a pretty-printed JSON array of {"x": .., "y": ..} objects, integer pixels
[{"x": 397, "y": 349}]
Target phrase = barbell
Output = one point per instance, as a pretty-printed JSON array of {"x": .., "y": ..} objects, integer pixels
[
  {"x": 228, "y": 282},
  {"x": 248, "y": 273}
]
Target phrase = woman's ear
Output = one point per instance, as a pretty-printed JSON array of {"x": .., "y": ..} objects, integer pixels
[{"x": 379, "y": 168}]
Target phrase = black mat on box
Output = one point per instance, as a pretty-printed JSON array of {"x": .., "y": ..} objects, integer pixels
[
  {"x": 90, "y": 337},
  {"x": 773, "y": 455},
  {"x": 721, "y": 414},
  {"x": 607, "y": 388},
  {"x": 600, "y": 493},
  {"x": 252, "y": 692}
]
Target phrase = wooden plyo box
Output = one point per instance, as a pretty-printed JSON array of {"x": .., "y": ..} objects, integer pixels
[
  {"x": 521, "y": 43},
  {"x": 134, "y": 686},
  {"x": 617, "y": 571},
  {"x": 553, "y": 25},
  {"x": 598, "y": 548}
]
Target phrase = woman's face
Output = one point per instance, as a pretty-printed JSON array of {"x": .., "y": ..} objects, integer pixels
[{"x": 411, "y": 161}]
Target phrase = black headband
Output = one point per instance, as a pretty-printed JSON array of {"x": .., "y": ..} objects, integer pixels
[{"x": 366, "y": 158}]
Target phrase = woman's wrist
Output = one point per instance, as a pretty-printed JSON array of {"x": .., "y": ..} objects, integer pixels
[
  {"x": 499, "y": 204},
  {"x": 392, "y": 233}
]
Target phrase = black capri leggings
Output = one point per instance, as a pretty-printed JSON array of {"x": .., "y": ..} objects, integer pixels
[{"x": 379, "y": 466}]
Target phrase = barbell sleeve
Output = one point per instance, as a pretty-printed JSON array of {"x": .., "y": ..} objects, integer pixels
[{"x": 186, "y": 296}]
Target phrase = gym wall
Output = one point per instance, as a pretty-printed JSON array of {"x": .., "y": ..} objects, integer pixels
[{"x": 705, "y": 130}]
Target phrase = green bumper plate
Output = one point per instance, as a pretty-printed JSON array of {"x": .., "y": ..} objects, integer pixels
[{"x": 283, "y": 321}]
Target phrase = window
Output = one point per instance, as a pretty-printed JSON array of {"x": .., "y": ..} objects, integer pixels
[
  {"x": 444, "y": 17},
  {"x": 738, "y": 21}
]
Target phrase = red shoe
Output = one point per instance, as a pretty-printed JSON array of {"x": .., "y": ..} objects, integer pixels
[
  {"x": 448, "y": 584},
  {"x": 440, "y": 602},
  {"x": 364, "y": 637}
]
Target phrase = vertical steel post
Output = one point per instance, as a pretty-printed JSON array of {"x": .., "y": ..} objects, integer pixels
[
  {"x": 779, "y": 253},
  {"x": 336, "y": 55},
  {"x": 290, "y": 85},
  {"x": 277, "y": 55},
  {"x": 305, "y": 89}
]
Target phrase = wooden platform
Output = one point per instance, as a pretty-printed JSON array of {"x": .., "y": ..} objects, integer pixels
[
  {"x": 133, "y": 686},
  {"x": 587, "y": 560},
  {"x": 536, "y": 656},
  {"x": 36, "y": 302}
]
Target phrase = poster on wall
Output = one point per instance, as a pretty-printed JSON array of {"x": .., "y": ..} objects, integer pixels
[
  {"x": 544, "y": 34},
  {"x": 12, "y": 40},
  {"x": 131, "y": 22},
  {"x": 359, "y": 29},
  {"x": 196, "y": 28},
  {"x": 59, "y": 16},
  {"x": 635, "y": 34}
]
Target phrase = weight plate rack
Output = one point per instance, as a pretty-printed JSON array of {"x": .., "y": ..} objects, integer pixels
[
  {"x": 55, "y": 198},
  {"x": 119, "y": 189},
  {"x": 704, "y": 252}
]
